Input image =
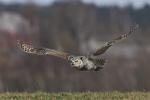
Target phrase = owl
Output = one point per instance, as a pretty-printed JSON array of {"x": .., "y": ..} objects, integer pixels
[{"x": 90, "y": 62}]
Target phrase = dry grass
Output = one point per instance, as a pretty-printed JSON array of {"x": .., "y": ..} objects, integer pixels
[{"x": 77, "y": 96}]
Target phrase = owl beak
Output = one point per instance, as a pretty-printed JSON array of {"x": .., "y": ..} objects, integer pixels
[{"x": 72, "y": 64}]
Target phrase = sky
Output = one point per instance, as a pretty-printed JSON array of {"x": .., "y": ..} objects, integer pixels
[{"x": 135, "y": 3}]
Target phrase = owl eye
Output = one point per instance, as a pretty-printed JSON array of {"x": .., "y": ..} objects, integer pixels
[{"x": 81, "y": 58}]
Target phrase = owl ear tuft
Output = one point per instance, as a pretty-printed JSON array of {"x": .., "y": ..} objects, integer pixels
[{"x": 70, "y": 57}]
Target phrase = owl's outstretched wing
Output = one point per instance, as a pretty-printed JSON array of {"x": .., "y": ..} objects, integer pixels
[
  {"x": 41, "y": 51},
  {"x": 106, "y": 46}
]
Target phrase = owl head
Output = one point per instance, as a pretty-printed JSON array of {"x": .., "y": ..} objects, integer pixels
[{"x": 76, "y": 61}]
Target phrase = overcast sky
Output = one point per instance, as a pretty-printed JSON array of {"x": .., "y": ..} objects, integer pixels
[{"x": 136, "y": 3}]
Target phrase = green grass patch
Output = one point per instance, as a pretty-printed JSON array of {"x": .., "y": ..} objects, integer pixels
[{"x": 76, "y": 96}]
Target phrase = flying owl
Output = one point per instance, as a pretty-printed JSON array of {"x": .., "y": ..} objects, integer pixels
[{"x": 93, "y": 61}]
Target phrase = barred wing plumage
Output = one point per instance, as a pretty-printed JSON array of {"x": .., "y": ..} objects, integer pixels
[
  {"x": 41, "y": 51},
  {"x": 107, "y": 45}
]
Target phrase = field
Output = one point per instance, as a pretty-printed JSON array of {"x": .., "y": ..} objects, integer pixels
[{"x": 76, "y": 96}]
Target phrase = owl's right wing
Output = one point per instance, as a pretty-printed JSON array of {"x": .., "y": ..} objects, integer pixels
[{"x": 41, "y": 51}]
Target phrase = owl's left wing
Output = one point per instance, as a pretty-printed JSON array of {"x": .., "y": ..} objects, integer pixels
[
  {"x": 41, "y": 51},
  {"x": 107, "y": 45}
]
